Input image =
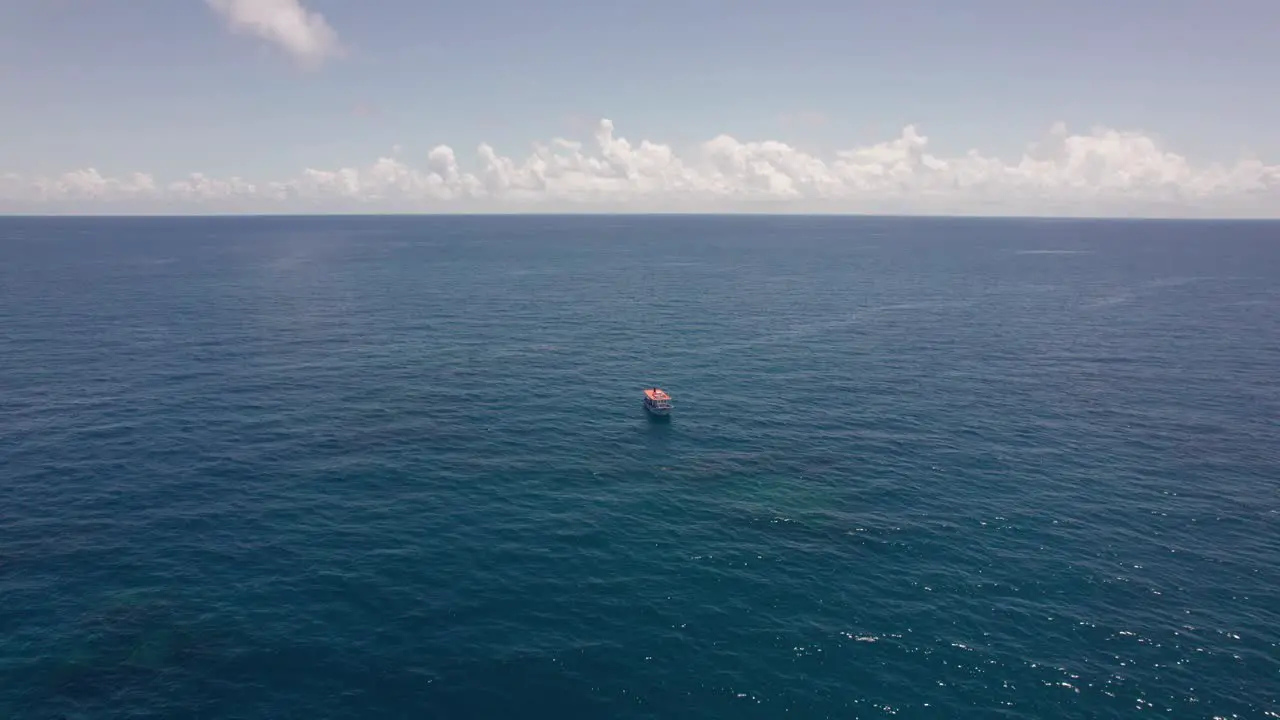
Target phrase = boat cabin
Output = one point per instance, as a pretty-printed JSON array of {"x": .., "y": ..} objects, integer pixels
[{"x": 657, "y": 400}]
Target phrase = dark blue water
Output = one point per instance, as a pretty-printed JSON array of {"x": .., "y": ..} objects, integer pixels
[{"x": 398, "y": 467}]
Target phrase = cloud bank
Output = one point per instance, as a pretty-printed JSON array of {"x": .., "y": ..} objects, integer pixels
[
  {"x": 304, "y": 35},
  {"x": 1104, "y": 173}
]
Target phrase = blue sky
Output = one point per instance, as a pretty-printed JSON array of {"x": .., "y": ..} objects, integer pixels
[{"x": 170, "y": 87}]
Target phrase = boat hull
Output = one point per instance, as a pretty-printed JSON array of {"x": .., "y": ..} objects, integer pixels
[{"x": 657, "y": 410}]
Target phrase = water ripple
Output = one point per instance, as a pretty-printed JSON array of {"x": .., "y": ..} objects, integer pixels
[{"x": 354, "y": 467}]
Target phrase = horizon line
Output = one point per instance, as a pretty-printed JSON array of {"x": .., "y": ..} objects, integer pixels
[{"x": 635, "y": 214}]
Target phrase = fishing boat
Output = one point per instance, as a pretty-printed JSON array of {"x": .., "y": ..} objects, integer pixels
[{"x": 657, "y": 401}]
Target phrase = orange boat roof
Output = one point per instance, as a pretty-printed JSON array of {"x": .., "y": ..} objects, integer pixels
[{"x": 656, "y": 394}]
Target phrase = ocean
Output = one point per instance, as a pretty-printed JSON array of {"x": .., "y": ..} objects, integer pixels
[{"x": 398, "y": 467}]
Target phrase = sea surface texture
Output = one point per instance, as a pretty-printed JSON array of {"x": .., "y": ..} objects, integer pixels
[{"x": 398, "y": 467}]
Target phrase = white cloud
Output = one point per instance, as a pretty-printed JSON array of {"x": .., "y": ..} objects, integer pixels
[
  {"x": 91, "y": 185},
  {"x": 305, "y": 35},
  {"x": 1104, "y": 172}
]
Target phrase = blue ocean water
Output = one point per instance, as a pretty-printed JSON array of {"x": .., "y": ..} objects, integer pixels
[{"x": 388, "y": 467}]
